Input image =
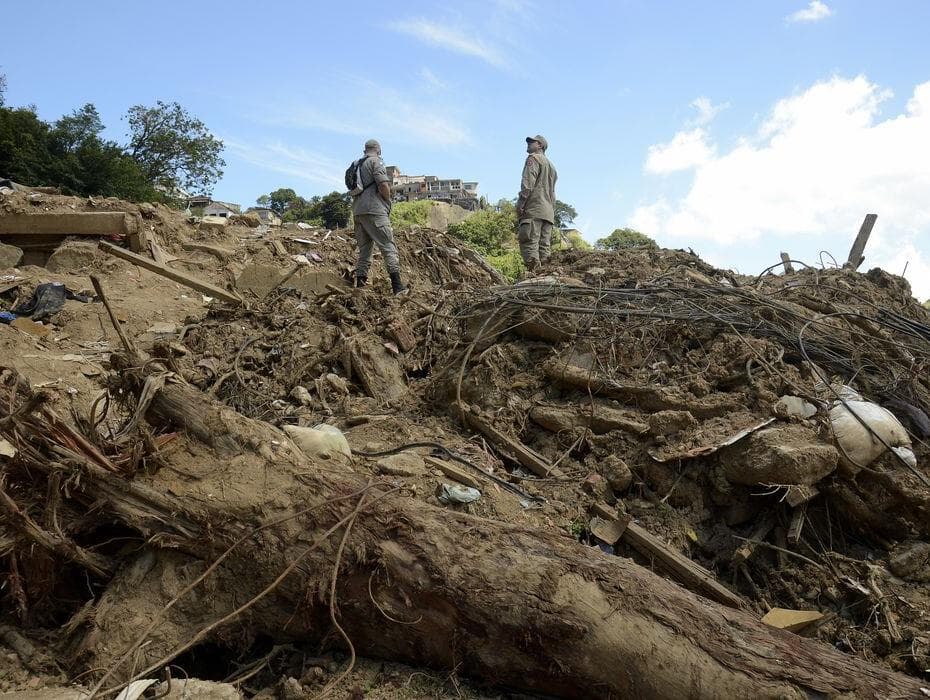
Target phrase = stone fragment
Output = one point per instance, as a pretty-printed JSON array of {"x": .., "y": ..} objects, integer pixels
[
  {"x": 72, "y": 256},
  {"x": 791, "y": 620},
  {"x": 784, "y": 454},
  {"x": 617, "y": 473},
  {"x": 911, "y": 562},
  {"x": 401, "y": 464},
  {"x": 793, "y": 407},
  {"x": 301, "y": 396},
  {"x": 10, "y": 256},
  {"x": 669, "y": 422}
]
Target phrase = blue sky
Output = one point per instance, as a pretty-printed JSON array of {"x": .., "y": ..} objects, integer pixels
[{"x": 738, "y": 129}]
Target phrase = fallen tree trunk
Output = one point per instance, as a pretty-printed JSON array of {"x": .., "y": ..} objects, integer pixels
[{"x": 507, "y": 604}]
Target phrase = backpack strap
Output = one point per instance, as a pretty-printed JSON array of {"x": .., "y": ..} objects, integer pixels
[{"x": 358, "y": 167}]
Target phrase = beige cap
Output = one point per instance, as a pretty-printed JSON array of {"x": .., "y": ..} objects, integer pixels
[{"x": 540, "y": 139}]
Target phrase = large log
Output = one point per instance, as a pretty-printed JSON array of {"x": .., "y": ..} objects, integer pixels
[{"x": 511, "y": 605}]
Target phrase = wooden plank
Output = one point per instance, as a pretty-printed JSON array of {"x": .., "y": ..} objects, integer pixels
[
  {"x": 797, "y": 523},
  {"x": 690, "y": 574},
  {"x": 453, "y": 472},
  {"x": 855, "y": 253},
  {"x": 96, "y": 223},
  {"x": 519, "y": 452},
  {"x": 174, "y": 275},
  {"x": 798, "y": 494},
  {"x": 786, "y": 261}
]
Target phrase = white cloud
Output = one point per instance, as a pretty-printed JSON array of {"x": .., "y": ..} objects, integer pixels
[
  {"x": 686, "y": 150},
  {"x": 821, "y": 160},
  {"x": 707, "y": 110},
  {"x": 370, "y": 110},
  {"x": 814, "y": 12},
  {"x": 432, "y": 80},
  {"x": 289, "y": 160},
  {"x": 455, "y": 40}
]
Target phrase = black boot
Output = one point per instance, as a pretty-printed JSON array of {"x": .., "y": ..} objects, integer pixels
[
  {"x": 361, "y": 281},
  {"x": 397, "y": 286}
]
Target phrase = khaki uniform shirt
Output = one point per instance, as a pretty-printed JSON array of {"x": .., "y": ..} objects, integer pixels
[
  {"x": 537, "y": 189},
  {"x": 369, "y": 201}
]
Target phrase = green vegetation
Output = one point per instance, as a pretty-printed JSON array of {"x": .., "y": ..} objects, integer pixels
[
  {"x": 168, "y": 148},
  {"x": 625, "y": 238},
  {"x": 570, "y": 239},
  {"x": 404, "y": 214},
  {"x": 565, "y": 214},
  {"x": 333, "y": 210},
  {"x": 174, "y": 149}
]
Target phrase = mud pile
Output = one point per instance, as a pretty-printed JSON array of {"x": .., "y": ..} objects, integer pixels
[{"x": 642, "y": 404}]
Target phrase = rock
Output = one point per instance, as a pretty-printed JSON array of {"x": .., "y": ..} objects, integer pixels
[
  {"x": 338, "y": 384},
  {"x": 401, "y": 464},
  {"x": 785, "y": 454},
  {"x": 442, "y": 215},
  {"x": 147, "y": 210},
  {"x": 455, "y": 493},
  {"x": 793, "y": 407},
  {"x": 213, "y": 224},
  {"x": 301, "y": 395},
  {"x": 320, "y": 442},
  {"x": 72, "y": 256},
  {"x": 10, "y": 256},
  {"x": 617, "y": 473},
  {"x": 911, "y": 562},
  {"x": 290, "y": 689},
  {"x": 597, "y": 486},
  {"x": 258, "y": 279},
  {"x": 182, "y": 689},
  {"x": 669, "y": 422},
  {"x": 250, "y": 219}
]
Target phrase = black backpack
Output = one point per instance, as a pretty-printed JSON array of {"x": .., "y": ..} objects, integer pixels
[{"x": 354, "y": 177}]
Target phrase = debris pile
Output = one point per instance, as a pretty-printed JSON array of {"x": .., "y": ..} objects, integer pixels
[{"x": 259, "y": 483}]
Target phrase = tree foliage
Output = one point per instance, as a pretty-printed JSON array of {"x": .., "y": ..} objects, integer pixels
[
  {"x": 333, "y": 210},
  {"x": 416, "y": 213},
  {"x": 625, "y": 238},
  {"x": 2, "y": 88},
  {"x": 489, "y": 232},
  {"x": 565, "y": 214},
  {"x": 173, "y": 148},
  {"x": 68, "y": 154}
]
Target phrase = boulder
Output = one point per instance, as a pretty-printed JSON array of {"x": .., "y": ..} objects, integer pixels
[
  {"x": 10, "y": 256},
  {"x": 72, "y": 256},
  {"x": 911, "y": 562},
  {"x": 786, "y": 454}
]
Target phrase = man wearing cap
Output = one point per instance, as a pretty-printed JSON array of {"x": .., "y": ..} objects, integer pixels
[
  {"x": 536, "y": 204},
  {"x": 371, "y": 210}
]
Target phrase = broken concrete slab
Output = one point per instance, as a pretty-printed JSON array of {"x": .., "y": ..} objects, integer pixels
[
  {"x": 784, "y": 454},
  {"x": 600, "y": 419},
  {"x": 10, "y": 256},
  {"x": 312, "y": 281},
  {"x": 72, "y": 256},
  {"x": 99, "y": 223}
]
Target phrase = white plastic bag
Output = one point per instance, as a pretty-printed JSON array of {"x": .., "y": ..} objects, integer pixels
[
  {"x": 858, "y": 446},
  {"x": 320, "y": 442}
]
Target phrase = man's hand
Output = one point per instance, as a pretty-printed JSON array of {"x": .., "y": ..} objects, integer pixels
[{"x": 384, "y": 189}]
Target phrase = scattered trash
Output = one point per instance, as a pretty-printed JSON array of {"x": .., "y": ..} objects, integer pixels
[
  {"x": 47, "y": 300},
  {"x": 457, "y": 494},
  {"x": 323, "y": 441}
]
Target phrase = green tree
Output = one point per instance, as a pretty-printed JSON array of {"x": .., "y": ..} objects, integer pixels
[
  {"x": 2, "y": 88},
  {"x": 565, "y": 214},
  {"x": 173, "y": 148},
  {"x": 335, "y": 209},
  {"x": 625, "y": 238},
  {"x": 415, "y": 213},
  {"x": 279, "y": 201},
  {"x": 489, "y": 232}
]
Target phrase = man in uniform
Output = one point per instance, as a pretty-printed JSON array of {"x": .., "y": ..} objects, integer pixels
[
  {"x": 536, "y": 204},
  {"x": 371, "y": 210}
]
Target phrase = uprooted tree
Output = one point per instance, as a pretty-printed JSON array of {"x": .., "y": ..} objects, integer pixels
[{"x": 240, "y": 536}]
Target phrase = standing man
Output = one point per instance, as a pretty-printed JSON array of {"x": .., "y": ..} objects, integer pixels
[
  {"x": 536, "y": 204},
  {"x": 371, "y": 209}
]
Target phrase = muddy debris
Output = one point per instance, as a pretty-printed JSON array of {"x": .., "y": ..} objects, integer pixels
[{"x": 261, "y": 485}]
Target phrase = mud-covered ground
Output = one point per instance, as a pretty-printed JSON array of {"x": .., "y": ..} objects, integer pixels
[{"x": 650, "y": 380}]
